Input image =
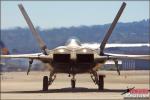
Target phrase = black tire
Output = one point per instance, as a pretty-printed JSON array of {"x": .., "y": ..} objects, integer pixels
[
  {"x": 101, "y": 82},
  {"x": 45, "y": 83},
  {"x": 73, "y": 83}
]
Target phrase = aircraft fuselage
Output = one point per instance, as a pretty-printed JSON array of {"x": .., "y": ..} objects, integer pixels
[{"x": 73, "y": 58}]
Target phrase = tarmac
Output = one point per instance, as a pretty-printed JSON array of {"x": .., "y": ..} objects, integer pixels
[{"x": 17, "y": 85}]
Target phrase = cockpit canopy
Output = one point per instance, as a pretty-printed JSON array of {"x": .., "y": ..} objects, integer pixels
[{"x": 73, "y": 41}]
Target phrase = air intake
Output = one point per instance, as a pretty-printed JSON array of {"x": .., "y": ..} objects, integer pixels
[
  {"x": 61, "y": 58},
  {"x": 85, "y": 58}
]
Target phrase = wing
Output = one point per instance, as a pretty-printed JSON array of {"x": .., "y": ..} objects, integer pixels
[
  {"x": 38, "y": 56},
  {"x": 100, "y": 59},
  {"x": 124, "y": 56}
]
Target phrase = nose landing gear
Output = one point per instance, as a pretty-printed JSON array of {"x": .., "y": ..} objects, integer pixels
[{"x": 73, "y": 82}]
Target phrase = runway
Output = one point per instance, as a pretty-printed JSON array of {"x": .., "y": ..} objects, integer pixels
[{"x": 17, "y": 85}]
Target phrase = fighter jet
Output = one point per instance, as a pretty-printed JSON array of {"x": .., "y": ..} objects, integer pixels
[{"x": 73, "y": 58}]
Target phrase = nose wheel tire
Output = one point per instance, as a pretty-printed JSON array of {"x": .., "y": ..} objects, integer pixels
[
  {"x": 73, "y": 83},
  {"x": 101, "y": 82},
  {"x": 45, "y": 83}
]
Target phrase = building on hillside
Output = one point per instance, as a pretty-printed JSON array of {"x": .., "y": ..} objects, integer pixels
[
  {"x": 135, "y": 65},
  {"x": 128, "y": 65}
]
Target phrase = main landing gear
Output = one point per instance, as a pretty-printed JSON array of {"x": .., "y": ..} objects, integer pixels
[
  {"x": 47, "y": 82},
  {"x": 98, "y": 80}
]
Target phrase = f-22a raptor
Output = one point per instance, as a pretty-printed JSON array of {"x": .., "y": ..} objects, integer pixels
[{"x": 73, "y": 58}]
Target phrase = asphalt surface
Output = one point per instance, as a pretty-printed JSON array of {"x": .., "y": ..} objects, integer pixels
[{"x": 17, "y": 85}]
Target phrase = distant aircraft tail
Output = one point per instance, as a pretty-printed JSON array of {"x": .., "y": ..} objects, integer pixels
[
  {"x": 4, "y": 50},
  {"x": 111, "y": 28}
]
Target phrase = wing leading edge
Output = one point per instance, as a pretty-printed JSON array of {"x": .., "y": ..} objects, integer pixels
[
  {"x": 38, "y": 56},
  {"x": 124, "y": 56}
]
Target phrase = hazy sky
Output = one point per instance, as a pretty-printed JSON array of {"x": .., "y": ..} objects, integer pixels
[{"x": 55, "y": 14}]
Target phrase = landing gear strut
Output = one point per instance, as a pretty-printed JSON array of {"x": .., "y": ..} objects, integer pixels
[
  {"x": 47, "y": 82},
  {"x": 98, "y": 80}
]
